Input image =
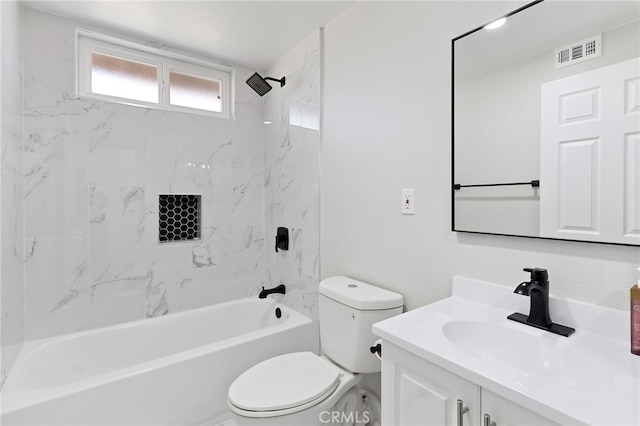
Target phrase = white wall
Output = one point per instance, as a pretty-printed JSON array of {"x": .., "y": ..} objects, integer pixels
[
  {"x": 11, "y": 211},
  {"x": 386, "y": 106}
]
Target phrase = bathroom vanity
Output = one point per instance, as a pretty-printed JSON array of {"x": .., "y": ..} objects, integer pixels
[{"x": 461, "y": 361}]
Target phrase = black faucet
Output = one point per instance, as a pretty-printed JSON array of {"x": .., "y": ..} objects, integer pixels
[
  {"x": 538, "y": 291},
  {"x": 264, "y": 293}
]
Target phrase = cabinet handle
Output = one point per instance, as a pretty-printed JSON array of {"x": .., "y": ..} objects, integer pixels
[
  {"x": 487, "y": 421},
  {"x": 461, "y": 411}
]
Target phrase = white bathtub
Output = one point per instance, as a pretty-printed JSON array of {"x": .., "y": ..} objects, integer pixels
[{"x": 173, "y": 370}]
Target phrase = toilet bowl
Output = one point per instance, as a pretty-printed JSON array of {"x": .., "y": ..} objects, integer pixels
[
  {"x": 303, "y": 388},
  {"x": 292, "y": 389}
]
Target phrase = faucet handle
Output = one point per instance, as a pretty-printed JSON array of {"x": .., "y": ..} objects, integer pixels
[{"x": 538, "y": 275}]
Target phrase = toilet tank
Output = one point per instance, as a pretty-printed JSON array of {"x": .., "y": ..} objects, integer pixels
[{"x": 347, "y": 310}]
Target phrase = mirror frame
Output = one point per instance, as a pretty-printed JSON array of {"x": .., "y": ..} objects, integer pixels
[{"x": 452, "y": 185}]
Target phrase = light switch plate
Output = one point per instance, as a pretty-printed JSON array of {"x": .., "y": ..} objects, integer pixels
[{"x": 408, "y": 201}]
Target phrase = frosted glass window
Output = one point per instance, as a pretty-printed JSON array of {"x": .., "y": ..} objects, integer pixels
[
  {"x": 194, "y": 92},
  {"x": 134, "y": 74},
  {"x": 123, "y": 78}
]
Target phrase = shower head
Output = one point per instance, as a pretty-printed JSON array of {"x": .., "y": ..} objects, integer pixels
[{"x": 260, "y": 84}]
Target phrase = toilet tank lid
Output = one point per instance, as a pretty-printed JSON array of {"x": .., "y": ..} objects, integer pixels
[{"x": 359, "y": 295}]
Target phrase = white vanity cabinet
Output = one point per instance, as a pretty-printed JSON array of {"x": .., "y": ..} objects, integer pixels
[
  {"x": 507, "y": 413},
  {"x": 418, "y": 392}
]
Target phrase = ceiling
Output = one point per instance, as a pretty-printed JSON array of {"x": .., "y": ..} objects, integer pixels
[
  {"x": 540, "y": 29},
  {"x": 249, "y": 33}
]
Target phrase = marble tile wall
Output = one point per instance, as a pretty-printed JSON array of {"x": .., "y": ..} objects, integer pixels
[
  {"x": 292, "y": 174},
  {"x": 92, "y": 174},
  {"x": 11, "y": 189}
]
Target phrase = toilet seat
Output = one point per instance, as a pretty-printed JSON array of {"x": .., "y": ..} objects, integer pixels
[{"x": 286, "y": 383}]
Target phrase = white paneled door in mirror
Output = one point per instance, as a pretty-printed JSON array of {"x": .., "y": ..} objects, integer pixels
[{"x": 590, "y": 155}]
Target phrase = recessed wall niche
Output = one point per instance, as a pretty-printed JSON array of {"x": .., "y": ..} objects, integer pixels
[{"x": 179, "y": 217}]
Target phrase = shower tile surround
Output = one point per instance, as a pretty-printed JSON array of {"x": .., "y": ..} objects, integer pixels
[
  {"x": 292, "y": 174},
  {"x": 11, "y": 231},
  {"x": 93, "y": 173}
]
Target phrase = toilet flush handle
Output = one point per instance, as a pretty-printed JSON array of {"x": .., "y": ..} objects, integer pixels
[{"x": 377, "y": 349}]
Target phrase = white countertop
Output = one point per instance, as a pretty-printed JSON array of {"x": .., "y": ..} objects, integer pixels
[{"x": 590, "y": 377}]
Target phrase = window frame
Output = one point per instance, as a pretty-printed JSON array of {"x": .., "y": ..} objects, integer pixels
[{"x": 89, "y": 41}]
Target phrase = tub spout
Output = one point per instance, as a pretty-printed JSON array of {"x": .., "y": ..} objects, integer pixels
[{"x": 279, "y": 289}]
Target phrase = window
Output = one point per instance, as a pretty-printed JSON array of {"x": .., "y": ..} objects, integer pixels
[
  {"x": 195, "y": 92},
  {"x": 124, "y": 72},
  {"x": 123, "y": 78}
]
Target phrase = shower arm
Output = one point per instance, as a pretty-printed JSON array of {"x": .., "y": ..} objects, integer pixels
[{"x": 279, "y": 80}]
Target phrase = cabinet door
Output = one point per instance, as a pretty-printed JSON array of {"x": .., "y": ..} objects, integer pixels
[
  {"x": 416, "y": 392},
  {"x": 507, "y": 413}
]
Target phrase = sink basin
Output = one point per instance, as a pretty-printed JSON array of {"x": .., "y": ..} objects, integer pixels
[{"x": 536, "y": 355}]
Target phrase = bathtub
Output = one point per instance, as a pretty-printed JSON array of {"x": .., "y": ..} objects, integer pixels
[{"x": 172, "y": 370}]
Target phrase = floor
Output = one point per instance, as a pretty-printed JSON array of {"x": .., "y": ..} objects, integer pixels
[{"x": 218, "y": 422}]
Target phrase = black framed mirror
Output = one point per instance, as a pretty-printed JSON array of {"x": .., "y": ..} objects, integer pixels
[{"x": 546, "y": 123}]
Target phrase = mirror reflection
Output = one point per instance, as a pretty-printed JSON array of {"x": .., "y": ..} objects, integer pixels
[{"x": 546, "y": 124}]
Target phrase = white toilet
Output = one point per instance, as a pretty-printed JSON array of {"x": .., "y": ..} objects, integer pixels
[{"x": 303, "y": 388}]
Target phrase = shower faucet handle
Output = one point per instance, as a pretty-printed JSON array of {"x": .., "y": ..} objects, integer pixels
[{"x": 282, "y": 239}]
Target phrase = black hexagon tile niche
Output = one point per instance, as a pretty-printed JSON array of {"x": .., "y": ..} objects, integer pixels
[{"x": 179, "y": 217}]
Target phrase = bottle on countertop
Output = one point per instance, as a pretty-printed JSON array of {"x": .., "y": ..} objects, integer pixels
[{"x": 635, "y": 319}]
